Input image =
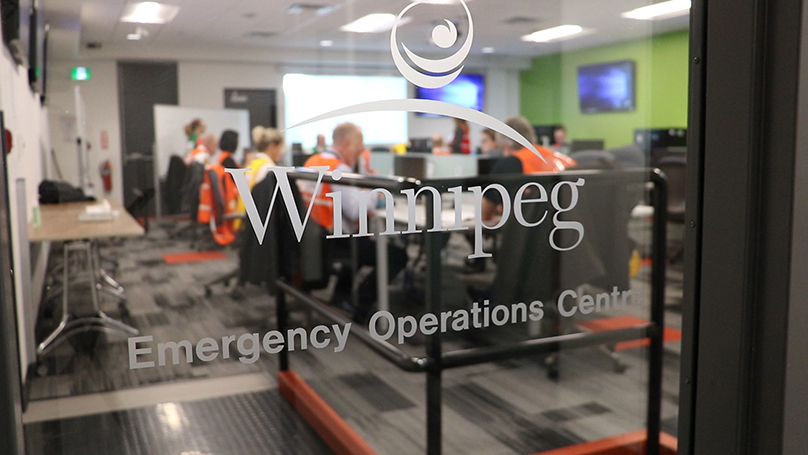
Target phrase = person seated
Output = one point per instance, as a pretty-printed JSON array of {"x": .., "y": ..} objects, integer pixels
[
  {"x": 343, "y": 155},
  {"x": 218, "y": 196},
  {"x": 488, "y": 144},
  {"x": 203, "y": 152},
  {"x": 320, "y": 147},
  {"x": 521, "y": 160},
  {"x": 228, "y": 144},
  {"x": 268, "y": 151},
  {"x": 438, "y": 146}
]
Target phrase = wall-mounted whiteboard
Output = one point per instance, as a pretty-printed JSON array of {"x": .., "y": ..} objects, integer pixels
[{"x": 169, "y": 129}]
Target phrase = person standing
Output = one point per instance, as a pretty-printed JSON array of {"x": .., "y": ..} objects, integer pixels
[{"x": 461, "y": 142}]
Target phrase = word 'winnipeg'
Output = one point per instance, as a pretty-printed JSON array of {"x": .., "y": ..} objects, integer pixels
[{"x": 520, "y": 199}]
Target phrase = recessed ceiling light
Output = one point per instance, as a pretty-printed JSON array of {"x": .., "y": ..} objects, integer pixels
[
  {"x": 326, "y": 43},
  {"x": 664, "y": 10},
  {"x": 149, "y": 13},
  {"x": 138, "y": 34},
  {"x": 488, "y": 50},
  {"x": 373, "y": 23},
  {"x": 552, "y": 34}
]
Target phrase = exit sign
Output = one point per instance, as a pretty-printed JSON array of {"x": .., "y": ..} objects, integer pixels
[{"x": 80, "y": 73}]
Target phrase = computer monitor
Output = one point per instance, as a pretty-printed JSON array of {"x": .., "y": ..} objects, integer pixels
[
  {"x": 656, "y": 142},
  {"x": 545, "y": 134},
  {"x": 299, "y": 160},
  {"x": 410, "y": 166},
  {"x": 485, "y": 164},
  {"x": 589, "y": 144},
  {"x": 420, "y": 145}
]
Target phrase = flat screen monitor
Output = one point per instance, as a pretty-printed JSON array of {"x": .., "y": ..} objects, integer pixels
[
  {"x": 606, "y": 87},
  {"x": 410, "y": 166},
  {"x": 16, "y": 19},
  {"x": 545, "y": 133},
  {"x": 577, "y": 146},
  {"x": 421, "y": 145},
  {"x": 468, "y": 90},
  {"x": 38, "y": 48}
]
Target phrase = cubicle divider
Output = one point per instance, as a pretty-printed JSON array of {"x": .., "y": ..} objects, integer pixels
[{"x": 344, "y": 441}]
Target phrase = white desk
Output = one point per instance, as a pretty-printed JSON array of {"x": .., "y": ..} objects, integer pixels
[
  {"x": 401, "y": 216},
  {"x": 60, "y": 222}
]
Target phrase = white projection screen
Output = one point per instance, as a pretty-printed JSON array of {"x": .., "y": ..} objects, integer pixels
[{"x": 307, "y": 96}]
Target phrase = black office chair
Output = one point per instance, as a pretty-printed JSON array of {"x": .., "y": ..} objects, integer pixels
[
  {"x": 629, "y": 156},
  {"x": 172, "y": 196}
]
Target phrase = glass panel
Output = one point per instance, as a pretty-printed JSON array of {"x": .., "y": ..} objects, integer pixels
[{"x": 364, "y": 227}]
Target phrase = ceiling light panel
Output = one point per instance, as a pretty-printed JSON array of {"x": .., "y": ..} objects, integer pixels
[
  {"x": 373, "y": 23},
  {"x": 553, "y": 34},
  {"x": 149, "y": 13},
  {"x": 664, "y": 10}
]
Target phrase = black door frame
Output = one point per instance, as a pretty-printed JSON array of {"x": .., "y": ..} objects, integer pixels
[{"x": 741, "y": 151}]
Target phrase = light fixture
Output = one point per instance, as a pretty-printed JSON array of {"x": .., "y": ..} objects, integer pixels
[
  {"x": 488, "y": 50},
  {"x": 149, "y": 13},
  {"x": 326, "y": 43},
  {"x": 373, "y": 23},
  {"x": 552, "y": 34},
  {"x": 138, "y": 34},
  {"x": 664, "y": 10}
]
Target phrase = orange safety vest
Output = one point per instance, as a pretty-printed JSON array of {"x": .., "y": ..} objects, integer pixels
[
  {"x": 190, "y": 157},
  {"x": 323, "y": 210},
  {"x": 224, "y": 230},
  {"x": 555, "y": 162}
]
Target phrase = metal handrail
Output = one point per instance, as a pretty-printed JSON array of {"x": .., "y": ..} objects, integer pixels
[{"x": 435, "y": 361}]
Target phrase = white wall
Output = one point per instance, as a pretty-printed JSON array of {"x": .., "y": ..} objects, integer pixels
[
  {"x": 27, "y": 120},
  {"x": 100, "y": 96}
]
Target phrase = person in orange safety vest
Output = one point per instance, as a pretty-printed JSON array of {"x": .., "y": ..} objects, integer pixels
[{"x": 218, "y": 196}]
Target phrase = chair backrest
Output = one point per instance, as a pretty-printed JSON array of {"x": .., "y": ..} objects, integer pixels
[
  {"x": 630, "y": 156},
  {"x": 595, "y": 159},
  {"x": 174, "y": 182},
  {"x": 194, "y": 176},
  {"x": 534, "y": 270}
]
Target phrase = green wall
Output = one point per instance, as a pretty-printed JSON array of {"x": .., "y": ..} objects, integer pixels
[{"x": 549, "y": 91}]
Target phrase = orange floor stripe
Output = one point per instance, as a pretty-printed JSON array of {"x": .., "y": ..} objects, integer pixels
[
  {"x": 194, "y": 256},
  {"x": 622, "y": 322},
  {"x": 625, "y": 444},
  {"x": 336, "y": 433}
]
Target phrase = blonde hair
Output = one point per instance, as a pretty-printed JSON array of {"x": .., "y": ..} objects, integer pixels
[{"x": 264, "y": 137}]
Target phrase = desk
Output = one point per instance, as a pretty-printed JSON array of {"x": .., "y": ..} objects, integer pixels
[
  {"x": 401, "y": 216},
  {"x": 60, "y": 222}
]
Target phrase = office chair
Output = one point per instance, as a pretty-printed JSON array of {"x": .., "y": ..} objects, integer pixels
[
  {"x": 172, "y": 196},
  {"x": 595, "y": 159},
  {"x": 629, "y": 156}
]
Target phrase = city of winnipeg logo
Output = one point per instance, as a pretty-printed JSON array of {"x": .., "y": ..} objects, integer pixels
[
  {"x": 433, "y": 74},
  {"x": 437, "y": 73}
]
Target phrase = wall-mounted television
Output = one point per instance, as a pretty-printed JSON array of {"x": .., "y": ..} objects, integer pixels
[
  {"x": 37, "y": 52},
  {"x": 468, "y": 90},
  {"x": 16, "y": 19},
  {"x": 607, "y": 87}
]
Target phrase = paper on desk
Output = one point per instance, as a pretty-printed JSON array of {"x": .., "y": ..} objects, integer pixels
[{"x": 99, "y": 212}]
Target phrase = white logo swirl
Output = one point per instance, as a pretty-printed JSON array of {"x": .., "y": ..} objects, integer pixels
[
  {"x": 444, "y": 36},
  {"x": 447, "y": 70}
]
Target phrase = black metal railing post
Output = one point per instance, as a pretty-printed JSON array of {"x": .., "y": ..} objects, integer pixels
[
  {"x": 660, "y": 203},
  {"x": 434, "y": 416}
]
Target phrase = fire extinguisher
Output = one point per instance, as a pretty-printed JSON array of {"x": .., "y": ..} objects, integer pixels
[{"x": 106, "y": 175}]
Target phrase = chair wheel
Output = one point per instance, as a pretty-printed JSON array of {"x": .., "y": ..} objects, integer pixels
[
  {"x": 208, "y": 292},
  {"x": 619, "y": 368}
]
